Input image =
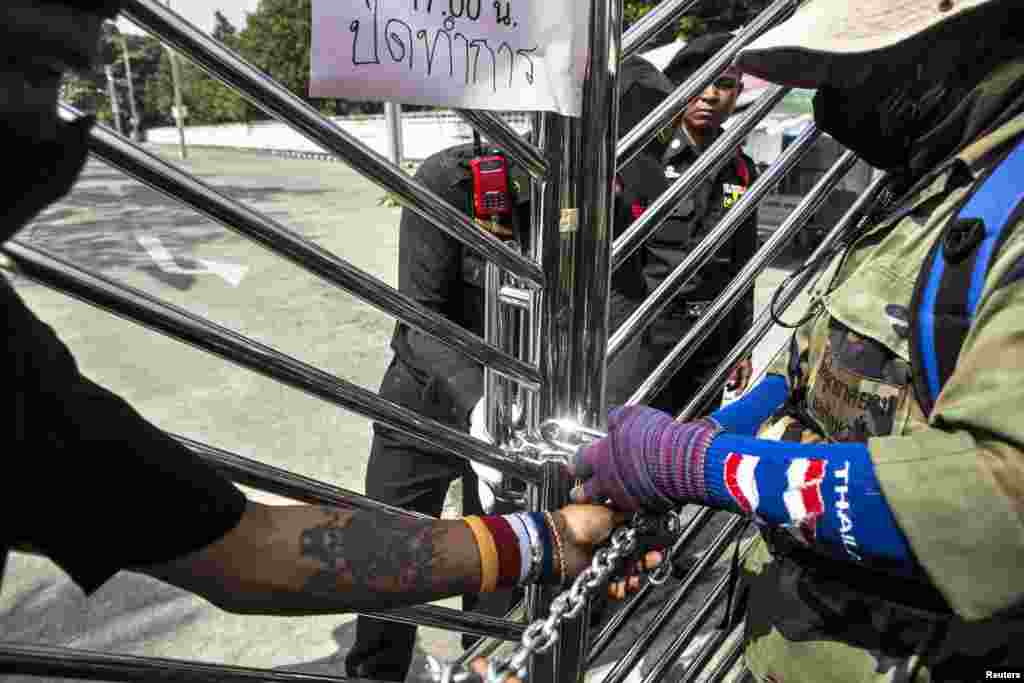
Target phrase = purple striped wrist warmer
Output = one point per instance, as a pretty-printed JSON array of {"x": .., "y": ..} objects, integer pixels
[{"x": 678, "y": 466}]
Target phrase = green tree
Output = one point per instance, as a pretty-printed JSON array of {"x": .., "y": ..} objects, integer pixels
[
  {"x": 276, "y": 38},
  {"x": 706, "y": 16},
  {"x": 207, "y": 99},
  {"x": 224, "y": 30}
]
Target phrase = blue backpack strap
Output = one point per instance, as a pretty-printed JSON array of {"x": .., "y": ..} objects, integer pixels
[{"x": 950, "y": 284}]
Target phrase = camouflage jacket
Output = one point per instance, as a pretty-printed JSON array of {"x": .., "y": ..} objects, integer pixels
[{"x": 954, "y": 480}]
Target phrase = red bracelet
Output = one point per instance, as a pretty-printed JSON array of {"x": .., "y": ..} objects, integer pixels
[{"x": 507, "y": 543}]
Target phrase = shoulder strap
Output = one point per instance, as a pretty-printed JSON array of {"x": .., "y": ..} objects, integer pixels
[
  {"x": 742, "y": 169},
  {"x": 950, "y": 283}
]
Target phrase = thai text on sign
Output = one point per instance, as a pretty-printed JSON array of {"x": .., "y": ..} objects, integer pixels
[{"x": 476, "y": 54}]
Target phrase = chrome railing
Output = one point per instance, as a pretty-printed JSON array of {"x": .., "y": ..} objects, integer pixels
[{"x": 546, "y": 345}]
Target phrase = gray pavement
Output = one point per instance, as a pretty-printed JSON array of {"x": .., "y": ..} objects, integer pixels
[{"x": 135, "y": 235}]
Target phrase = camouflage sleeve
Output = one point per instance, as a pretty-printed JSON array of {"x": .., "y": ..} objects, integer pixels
[{"x": 957, "y": 487}]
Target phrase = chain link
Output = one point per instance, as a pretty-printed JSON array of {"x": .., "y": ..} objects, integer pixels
[{"x": 541, "y": 635}]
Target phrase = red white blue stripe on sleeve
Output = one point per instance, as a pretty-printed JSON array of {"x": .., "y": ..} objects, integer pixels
[{"x": 825, "y": 495}]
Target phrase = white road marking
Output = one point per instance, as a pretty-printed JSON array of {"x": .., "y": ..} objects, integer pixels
[{"x": 229, "y": 272}]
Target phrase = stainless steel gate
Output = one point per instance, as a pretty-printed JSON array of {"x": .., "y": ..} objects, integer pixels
[{"x": 547, "y": 342}]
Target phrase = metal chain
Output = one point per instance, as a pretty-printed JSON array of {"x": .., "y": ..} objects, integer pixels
[{"x": 541, "y": 635}]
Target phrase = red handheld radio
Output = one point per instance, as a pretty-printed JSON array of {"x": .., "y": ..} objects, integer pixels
[{"x": 490, "y": 187}]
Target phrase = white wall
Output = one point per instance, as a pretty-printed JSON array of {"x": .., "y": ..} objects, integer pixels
[{"x": 423, "y": 133}]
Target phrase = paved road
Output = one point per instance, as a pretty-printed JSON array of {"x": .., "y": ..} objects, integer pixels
[{"x": 135, "y": 235}]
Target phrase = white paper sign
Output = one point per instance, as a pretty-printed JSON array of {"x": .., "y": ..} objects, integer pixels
[{"x": 474, "y": 54}]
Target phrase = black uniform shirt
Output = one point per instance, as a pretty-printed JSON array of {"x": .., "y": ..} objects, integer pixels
[
  {"x": 694, "y": 218},
  {"x": 439, "y": 272}
]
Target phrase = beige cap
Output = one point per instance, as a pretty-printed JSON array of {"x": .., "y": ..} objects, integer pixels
[{"x": 822, "y": 35}]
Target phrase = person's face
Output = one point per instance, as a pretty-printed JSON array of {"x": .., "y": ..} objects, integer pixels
[
  {"x": 706, "y": 112},
  {"x": 32, "y": 58},
  {"x": 28, "y": 103}
]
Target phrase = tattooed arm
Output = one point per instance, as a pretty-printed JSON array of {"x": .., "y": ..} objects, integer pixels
[
  {"x": 294, "y": 560},
  {"x": 304, "y": 559}
]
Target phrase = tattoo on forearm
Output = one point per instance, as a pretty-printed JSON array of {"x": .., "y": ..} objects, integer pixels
[{"x": 376, "y": 554}]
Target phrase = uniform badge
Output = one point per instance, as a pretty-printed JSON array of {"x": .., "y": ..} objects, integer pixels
[{"x": 731, "y": 194}]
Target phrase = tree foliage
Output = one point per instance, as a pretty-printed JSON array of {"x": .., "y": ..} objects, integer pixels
[{"x": 706, "y": 16}]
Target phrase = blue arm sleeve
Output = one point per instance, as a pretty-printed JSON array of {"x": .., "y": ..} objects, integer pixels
[
  {"x": 825, "y": 494},
  {"x": 745, "y": 415}
]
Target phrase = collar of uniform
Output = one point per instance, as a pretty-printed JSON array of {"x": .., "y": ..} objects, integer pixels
[
  {"x": 686, "y": 142},
  {"x": 977, "y": 155},
  {"x": 959, "y": 170},
  {"x": 941, "y": 181}
]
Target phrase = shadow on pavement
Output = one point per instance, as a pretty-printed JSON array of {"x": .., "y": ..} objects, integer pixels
[{"x": 96, "y": 228}]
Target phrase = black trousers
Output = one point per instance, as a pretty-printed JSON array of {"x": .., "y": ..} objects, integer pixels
[
  {"x": 415, "y": 478},
  {"x": 639, "y": 359}
]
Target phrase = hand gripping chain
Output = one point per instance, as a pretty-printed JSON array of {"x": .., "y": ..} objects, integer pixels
[{"x": 542, "y": 634}]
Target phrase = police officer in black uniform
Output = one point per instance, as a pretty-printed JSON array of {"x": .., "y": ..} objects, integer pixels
[
  {"x": 430, "y": 377},
  {"x": 674, "y": 151}
]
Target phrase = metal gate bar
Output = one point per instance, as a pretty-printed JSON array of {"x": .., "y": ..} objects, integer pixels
[
  {"x": 170, "y": 180},
  {"x": 653, "y": 23},
  {"x": 736, "y": 288},
  {"x": 264, "y": 477},
  {"x": 778, "y": 240},
  {"x": 529, "y": 157},
  {"x": 485, "y": 647},
  {"x": 279, "y": 102},
  {"x": 700, "y": 617},
  {"x": 715, "y": 549},
  {"x": 575, "y": 264},
  {"x": 697, "y": 258},
  {"x": 695, "y": 525},
  {"x": 729, "y": 663},
  {"x": 66, "y": 662},
  {"x": 178, "y": 323},
  {"x": 806, "y": 272},
  {"x": 707, "y": 164},
  {"x": 596, "y": 207},
  {"x": 551, "y": 339},
  {"x": 633, "y": 142},
  {"x": 707, "y": 651},
  {"x": 449, "y": 619}
]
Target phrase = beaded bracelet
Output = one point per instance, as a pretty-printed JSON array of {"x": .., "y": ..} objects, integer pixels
[
  {"x": 558, "y": 543},
  {"x": 536, "y": 549},
  {"x": 547, "y": 542}
]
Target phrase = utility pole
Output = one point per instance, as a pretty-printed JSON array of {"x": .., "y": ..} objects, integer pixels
[
  {"x": 131, "y": 89},
  {"x": 393, "y": 117},
  {"x": 115, "y": 106},
  {"x": 179, "y": 110}
]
